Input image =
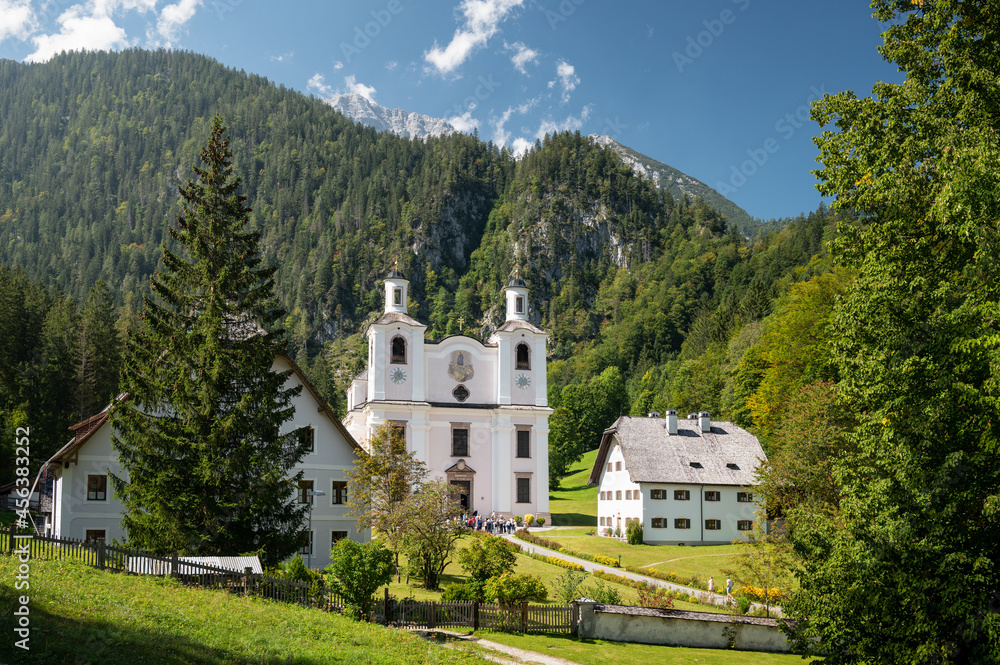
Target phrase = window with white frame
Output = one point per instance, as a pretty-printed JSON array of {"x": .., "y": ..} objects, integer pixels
[
  {"x": 713, "y": 525},
  {"x": 744, "y": 497},
  {"x": 97, "y": 487},
  {"x": 713, "y": 495},
  {"x": 682, "y": 523},
  {"x": 682, "y": 495}
]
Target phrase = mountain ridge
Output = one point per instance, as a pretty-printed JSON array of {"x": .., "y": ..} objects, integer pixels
[{"x": 398, "y": 121}]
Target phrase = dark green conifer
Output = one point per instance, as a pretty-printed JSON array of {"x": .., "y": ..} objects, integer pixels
[{"x": 204, "y": 468}]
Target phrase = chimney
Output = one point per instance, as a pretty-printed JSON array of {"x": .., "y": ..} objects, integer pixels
[
  {"x": 692, "y": 416},
  {"x": 705, "y": 420},
  {"x": 671, "y": 423},
  {"x": 654, "y": 414}
]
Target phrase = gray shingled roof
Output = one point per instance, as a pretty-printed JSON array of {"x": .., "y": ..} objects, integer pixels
[{"x": 653, "y": 456}]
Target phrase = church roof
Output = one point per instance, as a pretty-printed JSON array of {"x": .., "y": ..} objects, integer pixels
[
  {"x": 728, "y": 455},
  {"x": 397, "y": 317},
  {"x": 516, "y": 281},
  {"x": 395, "y": 273},
  {"x": 511, "y": 326}
]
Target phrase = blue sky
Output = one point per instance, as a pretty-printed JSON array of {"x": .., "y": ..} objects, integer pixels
[{"x": 716, "y": 88}]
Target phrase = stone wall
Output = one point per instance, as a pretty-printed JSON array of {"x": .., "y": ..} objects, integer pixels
[{"x": 646, "y": 625}]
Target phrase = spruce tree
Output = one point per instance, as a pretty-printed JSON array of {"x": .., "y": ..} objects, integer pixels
[{"x": 205, "y": 470}]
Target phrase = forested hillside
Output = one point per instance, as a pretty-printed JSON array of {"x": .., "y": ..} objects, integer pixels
[{"x": 651, "y": 302}]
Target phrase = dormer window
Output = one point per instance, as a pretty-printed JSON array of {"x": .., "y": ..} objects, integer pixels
[
  {"x": 398, "y": 351},
  {"x": 519, "y": 305},
  {"x": 521, "y": 358},
  {"x": 397, "y": 296}
]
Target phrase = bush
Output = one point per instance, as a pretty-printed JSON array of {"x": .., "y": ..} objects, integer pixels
[
  {"x": 513, "y": 589},
  {"x": 528, "y": 519},
  {"x": 654, "y": 596},
  {"x": 485, "y": 558},
  {"x": 742, "y": 605},
  {"x": 633, "y": 532},
  {"x": 540, "y": 521},
  {"x": 358, "y": 570},
  {"x": 603, "y": 594},
  {"x": 517, "y": 519},
  {"x": 605, "y": 560},
  {"x": 457, "y": 593},
  {"x": 568, "y": 585},
  {"x": 296, "y": 570}
]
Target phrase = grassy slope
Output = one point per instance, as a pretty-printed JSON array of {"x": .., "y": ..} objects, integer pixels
[
  {"x": 575, "y": 502},
  {"x": 602, "y": 652},
  {"x": 95, "y": 617}
]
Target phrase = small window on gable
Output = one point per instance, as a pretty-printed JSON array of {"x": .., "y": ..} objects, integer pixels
[
  {"x": 733, "y": 466},
  {"x": 398, "y": 351},
  {"x": 628, "y": 495},
  {"x": 521, "y": 358},
  {"x": 618, "y": 466},
  {"x": 519, "y": 304}
]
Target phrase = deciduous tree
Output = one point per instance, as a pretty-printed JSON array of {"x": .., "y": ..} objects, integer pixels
[{"x": 909, "y": 573}]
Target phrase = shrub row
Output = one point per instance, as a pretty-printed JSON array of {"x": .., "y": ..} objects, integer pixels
[
  {"x": 605, "y": 560},
  {"x": 635, "y": 584},
  {"x": 556, "y": 547},
  {"x": 759, "y": 594}
]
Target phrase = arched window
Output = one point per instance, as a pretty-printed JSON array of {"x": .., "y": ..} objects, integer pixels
[
  {"x": 521, "y": 358},
  {"x": 398, "y": 351}
]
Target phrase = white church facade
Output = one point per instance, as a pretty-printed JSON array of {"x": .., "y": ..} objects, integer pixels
[{"x": 476, "y": 414}]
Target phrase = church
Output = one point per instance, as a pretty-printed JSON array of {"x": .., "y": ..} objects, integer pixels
[{"x": 476, "y": 414}]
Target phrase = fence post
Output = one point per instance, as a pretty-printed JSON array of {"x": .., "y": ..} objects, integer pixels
[
  {"x": 524, "y": 616},
  {"x": 100, "y": 554},
  {"x": 174, "y": 570},
  {"x": 10, "y": 541},
  {"x": 574, "y": 616},
  {"x": 432, "y": 619},
  {"x": 385, "y": 608},
  {"x": 475, "y": 615}
]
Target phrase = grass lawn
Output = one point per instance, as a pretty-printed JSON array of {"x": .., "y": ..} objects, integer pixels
[
  {"x": 575, "y": 502},
  {"x": 82, "y": 615},
  {"x": 601, "y": 652},
  {"x": 701, "y": 561},
  {"x": 548, "y": 573}
]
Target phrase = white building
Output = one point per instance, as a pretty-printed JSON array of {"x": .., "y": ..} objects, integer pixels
[
  {"x": 687, "y": 481},
  {"x": 84, "y": 508},
  {"x": 476, "y": 415}
]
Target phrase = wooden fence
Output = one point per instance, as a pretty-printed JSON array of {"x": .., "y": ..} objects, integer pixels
[{"x": 524, "y": 618}]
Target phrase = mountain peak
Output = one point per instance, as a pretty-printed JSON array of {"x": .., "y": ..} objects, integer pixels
[
  {"x": 402, "y": 123},
  {"x": 676, "y": 182}
]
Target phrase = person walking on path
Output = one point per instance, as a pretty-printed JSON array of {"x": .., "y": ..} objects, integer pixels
[
  {"x": 729, "y": 587},
  {"x": 711, "y": 585}
]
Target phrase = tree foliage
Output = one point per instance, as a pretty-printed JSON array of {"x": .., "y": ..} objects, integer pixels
[
  {"x": 358, "y": 570},
  {"x": 431, "y": 530},
  {"x": 485, "y": 558},
  {"x": 908, "y": 573},
  {"x": 204, "y": 470}
]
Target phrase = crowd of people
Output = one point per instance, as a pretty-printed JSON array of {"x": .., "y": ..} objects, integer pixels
[{"x": 492, "y": 524}]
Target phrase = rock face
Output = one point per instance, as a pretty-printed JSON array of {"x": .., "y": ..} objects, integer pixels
[
  {"x": 399, "y": 122},
  {"x": 676, "y": 182}
]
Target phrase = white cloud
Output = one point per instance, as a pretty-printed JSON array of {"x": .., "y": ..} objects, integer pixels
[
  {"x": 318, "y": 85},
  {"x": 391, "y": 65},
  {"x": 464, "y": 123},
  {"x": 283, "y": 57},
  {"x": 567, "y": 79},
  {"x": 570, "y": 123},
  {"x": 338, "y": 65},
  {"x": 96, "y": 31},
  {"x": 173, "y": 17},
  {"x": 366, "y": 91},
  {"x": 521, "y": 146},
  {"x": 482, "y": 20},
  {"x": 522, "y": 55},
  {"x": 17, "y": 19}
]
